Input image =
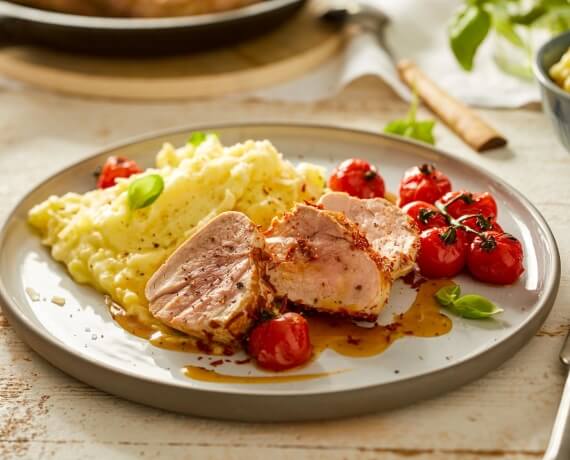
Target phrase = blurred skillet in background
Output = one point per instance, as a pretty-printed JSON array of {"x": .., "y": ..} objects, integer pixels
[{"x": 125, "y": 36}]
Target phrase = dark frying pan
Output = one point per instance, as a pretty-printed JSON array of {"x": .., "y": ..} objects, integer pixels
[{"x": 121, "y": 36}]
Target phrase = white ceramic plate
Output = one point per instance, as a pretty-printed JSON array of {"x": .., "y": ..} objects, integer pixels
[{"x": 82, "y": 339}]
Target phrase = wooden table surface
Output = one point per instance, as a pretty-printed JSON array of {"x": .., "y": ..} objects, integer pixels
[{"x": 44, "y": 414}]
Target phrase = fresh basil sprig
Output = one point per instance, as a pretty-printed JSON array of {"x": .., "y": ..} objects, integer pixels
[
  {"x": 144, "y": 191},
  {"x": 411, "y": 127},
  {"x": 471, "y": 306}
]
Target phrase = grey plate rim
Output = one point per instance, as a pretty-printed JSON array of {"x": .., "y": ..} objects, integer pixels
[{"x": 461, "y": 372}]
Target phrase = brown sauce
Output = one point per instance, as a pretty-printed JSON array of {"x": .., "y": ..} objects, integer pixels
[
  {"x": 206, "y": 375},
  {"x": 160, "y": 335},
  {"x": 422, "y": 319}
]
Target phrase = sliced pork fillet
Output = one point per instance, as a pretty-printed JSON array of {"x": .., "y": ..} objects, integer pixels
[
  {"x": 391, "y": 232},
  {"x": 212, "y": 286},
  {"x": 323, "y": 262}
]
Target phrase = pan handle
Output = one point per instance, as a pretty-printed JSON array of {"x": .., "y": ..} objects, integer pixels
[{"x": 9, "y": 19}]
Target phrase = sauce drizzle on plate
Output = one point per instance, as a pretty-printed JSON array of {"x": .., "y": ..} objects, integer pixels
[
  {"x": 422, "y": 319},
  {"x": 160, "y": 335},
  {"x": 207, "y": 375}
]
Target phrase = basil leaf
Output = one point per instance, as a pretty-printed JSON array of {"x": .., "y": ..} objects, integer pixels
[
  {"x": 423, "y": 131},
  {"x": 557, "y": 20},
  {"x": 471, "y": 306},
  {"x": 447, "y": 295},
  {"x": 196, "y": 138},
  {"x": 475, "y": 306},
  {"x": 397, "y": 127},
  {"x": 467, "y": 30},
  {"x": 504, "y": 27},
  {"x": 530, "y": 17},
  {"x": 418, "y": 130},
  {"x": 410, "y": 127},
  {"x": 144, "y": 191}
]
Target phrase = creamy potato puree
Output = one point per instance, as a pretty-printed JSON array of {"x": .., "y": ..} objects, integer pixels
[
  {"x": 560, "y": 72},
  {"x": 105, "y": 244}
]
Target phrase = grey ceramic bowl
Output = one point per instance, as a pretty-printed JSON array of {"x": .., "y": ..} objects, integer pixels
[{"x": 556, "y": 101}]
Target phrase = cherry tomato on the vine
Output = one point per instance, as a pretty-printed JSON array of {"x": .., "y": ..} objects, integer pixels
[
  {"x": 425, "y": 215},
  {"x": 281, "y": 343},
  {"x": 496, "y": 258},
  {"x": 423, "y": 183},
  {"x": 462, "y": 203},
  {"x": 442, "y": 252},
  {"x": 357, "y": 178},
  {"x": 480, "y": 223},
  {"x": 116, "y": 167}
]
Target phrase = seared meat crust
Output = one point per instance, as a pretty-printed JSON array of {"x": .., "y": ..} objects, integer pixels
[
  {"x": 321, "y": 261},
  {"x": 390, "y": 231}
]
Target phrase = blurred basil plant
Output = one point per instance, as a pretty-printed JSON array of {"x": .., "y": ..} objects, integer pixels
[{"x": 513, "y": 22}]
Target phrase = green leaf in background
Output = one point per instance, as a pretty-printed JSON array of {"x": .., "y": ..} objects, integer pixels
[
  {"x": 557, "y": 19},
  {"x": 471, "y": 306},
  {"x": 144, "y": 191},
  {"x": 504, "y": 27},
  {"x": 448, "y": 294},
  {"x": 508, "y": 18},
  {"x": 410, "y": 127},
  {"x": 423, "y": 131},
  {"x": 467, "y": 30},
  {"x": 531, "y": 16}
]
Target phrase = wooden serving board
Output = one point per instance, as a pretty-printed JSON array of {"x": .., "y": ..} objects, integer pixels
[{"x": 290, "y": 51}]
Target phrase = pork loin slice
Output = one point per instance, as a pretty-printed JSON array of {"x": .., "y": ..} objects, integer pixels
[
  {"x": 323, "y": 262},
  {"x": 211, "y": 287},
  {"x": 390, "y": 231}
]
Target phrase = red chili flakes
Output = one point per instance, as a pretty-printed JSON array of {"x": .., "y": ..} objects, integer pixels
[{"x": 352, "y": 340}]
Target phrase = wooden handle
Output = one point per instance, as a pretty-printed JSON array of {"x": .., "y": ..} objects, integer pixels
[{"x": 460, "y": 118}]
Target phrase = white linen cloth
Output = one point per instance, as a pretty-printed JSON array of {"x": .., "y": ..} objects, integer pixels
[{"x": 418, "y": 30}]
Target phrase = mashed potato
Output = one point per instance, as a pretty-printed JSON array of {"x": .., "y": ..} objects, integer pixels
[
  {"x": 560, "y": 71},
  {"x": 105, "y": 244}
]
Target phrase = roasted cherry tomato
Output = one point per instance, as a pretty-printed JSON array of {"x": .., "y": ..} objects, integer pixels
[
  {"x": 116, "y": 167},
  {"x": 357, "y": 178},
  {"x": 480, "y": 223},
  {"x": 495, "y": 257},
  {"x": 442, "y": 252},
  {"x": 462, "y": 203},
  {"x": 423, "y": 183},
  {"x": 425, "y": 215},
  {"x": 281, "y": 343}
]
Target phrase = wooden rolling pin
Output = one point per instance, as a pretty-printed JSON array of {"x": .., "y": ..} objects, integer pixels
[{"x": 460, "y": 118}]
